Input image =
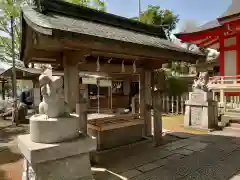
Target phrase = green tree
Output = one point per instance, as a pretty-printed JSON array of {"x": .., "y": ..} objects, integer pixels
[
  {"x": 95, "y": 4},
  {"x": 8, "y": 10},
  {"x": 156, "y": 16}
]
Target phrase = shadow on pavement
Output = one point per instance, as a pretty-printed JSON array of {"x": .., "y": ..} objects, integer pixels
[
  {"x": 10, "y": 133},
  {"x": 10, "y": 163}
]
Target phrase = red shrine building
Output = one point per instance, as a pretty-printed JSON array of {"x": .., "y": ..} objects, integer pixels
[{"x": 222, "y": 34}]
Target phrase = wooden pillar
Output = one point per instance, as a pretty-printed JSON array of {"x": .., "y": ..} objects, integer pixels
[
  {"x": 83, "y": 107},
  {"x": 71, "y": 82},
  {"x": 141, "y": 97},
  {"x": 148, "y": 102},
  {"x": 145, "y": 101},
  {"x": 157, "y": 110}
]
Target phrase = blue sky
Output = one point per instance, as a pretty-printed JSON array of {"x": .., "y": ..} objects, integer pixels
[{"x": 200, "y": 11}]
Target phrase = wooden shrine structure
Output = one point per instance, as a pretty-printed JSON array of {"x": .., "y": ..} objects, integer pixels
[
  {"x": 75, "y": 38},
  {"x": 222, "y": 34}
]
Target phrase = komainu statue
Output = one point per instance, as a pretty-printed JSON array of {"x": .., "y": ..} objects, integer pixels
[
  {"x": 201, "y": 82},
  {"x": 53, "y": 104}
]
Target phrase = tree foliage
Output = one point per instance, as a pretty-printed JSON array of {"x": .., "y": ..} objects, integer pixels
[
  {"x": 9, "y": 9},
  {"x": 95, "y": 4},
  {"x": 176, "y": 86},
  {"x": 154, "y": 15}
]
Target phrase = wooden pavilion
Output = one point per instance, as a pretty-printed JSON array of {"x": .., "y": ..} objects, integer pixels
[
  {"x": 22, "y": 73},
  {"x": 75, "y": 38}
]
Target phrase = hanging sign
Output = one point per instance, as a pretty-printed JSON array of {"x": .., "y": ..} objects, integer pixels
[
  {"x": 105, "y": 83},
  {"x": 89, "y": 80}
]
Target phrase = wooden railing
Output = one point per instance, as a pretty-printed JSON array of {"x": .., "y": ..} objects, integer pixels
[{"x": 224, "y": 80}]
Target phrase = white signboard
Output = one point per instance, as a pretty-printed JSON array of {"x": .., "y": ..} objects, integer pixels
[
  {"x": 89, "y": 80},
  {"x": 105, "y": 83}
]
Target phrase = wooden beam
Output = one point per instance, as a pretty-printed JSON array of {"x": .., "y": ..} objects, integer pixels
[
  {"x": 188, "y": 37},
  {"x": 37, "y": 53},
  {"x": 108, "y": 68},
  {"x": 206, "y": 41},
  {"x": 114, "y": 48},
  {"x": 211, "y": 43},
  {"x": 122, "y": 56}
]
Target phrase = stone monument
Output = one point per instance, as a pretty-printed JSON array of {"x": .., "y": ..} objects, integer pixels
[
  {"x": 55, "y": 148},
  {"x": 201, "y": 110}
]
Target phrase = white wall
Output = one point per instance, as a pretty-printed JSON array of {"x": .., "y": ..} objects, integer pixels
[
  {"x": 230, "y": 63},
  {"x": 230, "y": 41},
  {"x": 230, "y": 58}
]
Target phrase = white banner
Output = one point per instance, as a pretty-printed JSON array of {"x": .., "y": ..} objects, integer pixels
[
  {"x": 89, "y": 80},
  {"x": 105, "y": 83}
]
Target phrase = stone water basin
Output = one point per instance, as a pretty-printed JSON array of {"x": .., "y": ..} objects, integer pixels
[{"x": 53, "y": 130}]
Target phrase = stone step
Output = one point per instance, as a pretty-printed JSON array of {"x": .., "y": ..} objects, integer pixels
[
  {"x": 235, "y": 124},
  {"x": 232, "y": 129},
  {"x": 232, "y": 114}
]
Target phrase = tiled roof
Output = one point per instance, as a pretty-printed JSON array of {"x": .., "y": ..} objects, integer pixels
[
  {"x": 233, "y": 9},
  {"x": 52, "y": 21},
  {"x": 209, "y": 25}
]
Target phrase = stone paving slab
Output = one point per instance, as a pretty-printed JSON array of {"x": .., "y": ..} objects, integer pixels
[
  {"x": 198, "y": 146},
  {"x": 177, "y": 144},
  {"x": 211, "y": 138},
  {"x": 184, "y": 151},
  {"x": 219, "y": 170},
  {"x": 159, "y": 174},
  {"x": 181, "y": 135},
  {"x": 197, "y": 160},
  {"x": 148, "y": 167},
  {"x": 160, "y": 162},
  {"x": 131, "y": 173}
]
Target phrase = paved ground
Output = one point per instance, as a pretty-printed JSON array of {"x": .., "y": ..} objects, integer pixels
[
  {"x": 205, "y": 157},
  {"x": 194, "y": 157}
]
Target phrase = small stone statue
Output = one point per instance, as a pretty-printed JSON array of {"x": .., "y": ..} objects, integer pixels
[
  {"x": 201, "y": 82},
  {"x": 53, "y": 104}
]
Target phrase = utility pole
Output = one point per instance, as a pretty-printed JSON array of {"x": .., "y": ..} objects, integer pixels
[
  {"x": 14, "y": 81},
  {"x": 139, "y": 9}
]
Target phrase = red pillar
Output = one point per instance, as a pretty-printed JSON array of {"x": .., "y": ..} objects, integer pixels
[
  {"x": 238, "y": 54},
  {"x": 221, "y": 55}
]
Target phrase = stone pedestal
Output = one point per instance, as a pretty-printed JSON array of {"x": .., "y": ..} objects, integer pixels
[
  {"x": 60, "y": 161},
  {"x": 201, "y": 111}
]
